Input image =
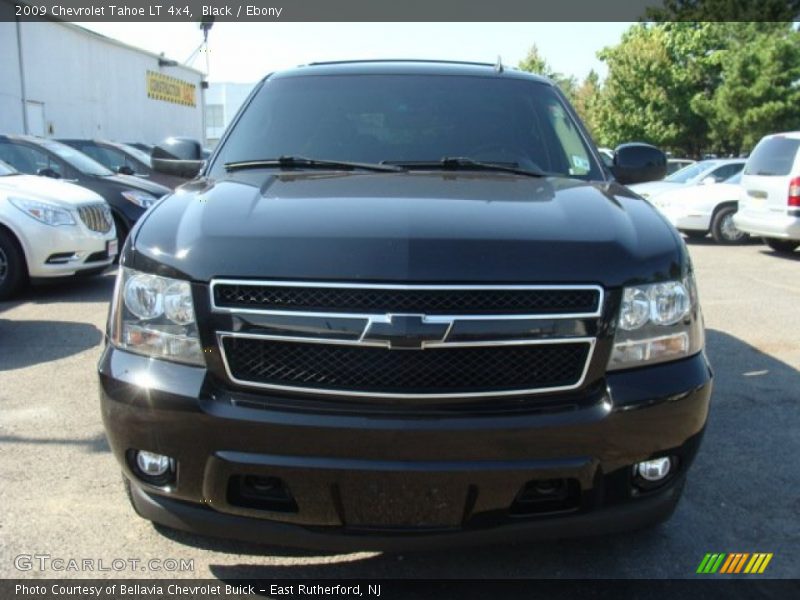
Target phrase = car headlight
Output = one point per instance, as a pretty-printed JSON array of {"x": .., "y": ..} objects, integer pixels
[
  {"x": 44, "y": 212},
  {"x": 154, "y": 315},
  {"x": 142, "y": 199},
  {"x": 657, "y": 323}
]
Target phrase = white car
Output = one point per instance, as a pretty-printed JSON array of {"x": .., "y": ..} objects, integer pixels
[
  {"x": 770, "y": 203},
  {"x": 701, "y": 209},
  {"x": 50, "y": 228},
  {"x": 700, "y": 173}
]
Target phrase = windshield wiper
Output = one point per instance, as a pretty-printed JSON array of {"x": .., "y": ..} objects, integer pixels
[
  {"x": 288, "y": 162},
  {"x": 466, "y": 163}
]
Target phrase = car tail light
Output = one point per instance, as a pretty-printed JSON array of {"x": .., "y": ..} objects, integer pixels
[{"x": 794, "y": 192}]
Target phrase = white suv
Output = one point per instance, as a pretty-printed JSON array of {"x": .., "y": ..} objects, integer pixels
[
  {"x": 769, "y": 205},
  {"x": 50, "y": 228}
]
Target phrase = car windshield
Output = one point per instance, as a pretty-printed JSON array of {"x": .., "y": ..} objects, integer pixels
[
  {"x": 690, "y": 172},
  {"x": 76, "y": 159},
  {"x": 7, "y": 169},
  {"x": 410, "y": 119}
]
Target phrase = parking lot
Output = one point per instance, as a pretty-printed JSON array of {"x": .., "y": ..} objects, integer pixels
[{"x": 62, "y": 495}]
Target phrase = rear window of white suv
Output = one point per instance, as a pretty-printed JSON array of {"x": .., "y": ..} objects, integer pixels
[{"x": 773, "y": 156}]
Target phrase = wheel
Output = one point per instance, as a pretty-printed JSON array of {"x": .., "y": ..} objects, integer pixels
[
  {"x": 694, "y": 234},
  {"x": 781, "y": 246},
  {"x": 13, "y": 272},
  {"x": 722, "y": 228}
]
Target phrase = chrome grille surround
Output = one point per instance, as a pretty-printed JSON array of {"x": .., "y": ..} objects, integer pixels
[
  {"x": 367, "y": 320},
  {"x": 97, "y": 217}
]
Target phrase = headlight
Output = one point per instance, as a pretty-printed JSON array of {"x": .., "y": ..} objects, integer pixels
[
  {"x": 154, "y": 315},
  {"x": 142, "y": 199},
  {"x": 657, "y": 323},
  {"x": 44, "y": 212}
]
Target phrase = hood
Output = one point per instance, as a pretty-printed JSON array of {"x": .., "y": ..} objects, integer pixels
[
  {"x": 407, "y": 227},
  {"x": 138, "y": 183},
  {"x": 45, "y": 188}
]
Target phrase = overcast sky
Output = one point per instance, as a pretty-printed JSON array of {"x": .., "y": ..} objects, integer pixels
[{"x": 245, "y": 52}]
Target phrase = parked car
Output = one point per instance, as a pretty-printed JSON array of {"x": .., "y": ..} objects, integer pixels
[
  {"x": 698, "y": 210},
  {"x": 770, "y": 204},
  {"x": 703, "y": 172},
  {"x": 146, "y": 148},
  {"x": 675, "y": 164},
  {"x": 123, "y": 159},
  {"x": 406, "y": 304},
  {"x": 127, "y": 196},
  {"x": 50, "y": 229}
]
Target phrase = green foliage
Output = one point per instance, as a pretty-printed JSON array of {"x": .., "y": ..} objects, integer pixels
[{"x": 691, "y": 87}]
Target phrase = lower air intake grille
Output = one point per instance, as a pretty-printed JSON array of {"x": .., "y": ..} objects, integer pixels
[{"x": 454, "y": 370}]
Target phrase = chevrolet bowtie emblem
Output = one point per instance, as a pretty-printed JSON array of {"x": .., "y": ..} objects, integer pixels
[{"x": 408, "y": 332}]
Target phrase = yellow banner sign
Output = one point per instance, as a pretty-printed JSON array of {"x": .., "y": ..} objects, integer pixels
[{"x": 170, "y": 89}]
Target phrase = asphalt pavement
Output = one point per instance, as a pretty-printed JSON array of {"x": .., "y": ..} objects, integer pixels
[{"x": 61, "y": 493}]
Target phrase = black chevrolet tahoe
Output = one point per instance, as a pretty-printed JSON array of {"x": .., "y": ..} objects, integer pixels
[{"x": 405, "y": 303}]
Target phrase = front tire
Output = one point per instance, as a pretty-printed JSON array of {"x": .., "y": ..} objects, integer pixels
[
  {"x": 781, "y": 246},
  {"x": 13, "y": 272},
  {"x": 723, "y": 229}
]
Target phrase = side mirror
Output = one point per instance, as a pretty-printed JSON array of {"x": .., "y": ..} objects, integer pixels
[
  {"x": 125, "y": 170},
  {"x": 708, "y": 180},
  {"x": 182, "y": 157},
  {"x": 638, "y": 163},
  {"x": 48, "y": 172}
]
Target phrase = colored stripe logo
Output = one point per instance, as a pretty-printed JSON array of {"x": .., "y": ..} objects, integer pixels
[{"x": 734, "y": 563}]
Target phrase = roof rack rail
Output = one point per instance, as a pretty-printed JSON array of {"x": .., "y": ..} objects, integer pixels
[{"x": 400, "y": 60}]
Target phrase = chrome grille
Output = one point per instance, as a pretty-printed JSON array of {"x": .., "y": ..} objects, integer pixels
[
  {"x": 96, "y": 217},
  {"x": 407, "y": 341}
]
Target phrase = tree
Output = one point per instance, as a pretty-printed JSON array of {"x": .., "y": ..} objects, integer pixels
[
  {"x": 535, "y": 63},
  {"x": 585, "y": 101},
  {"x": 759, "y": 88}
]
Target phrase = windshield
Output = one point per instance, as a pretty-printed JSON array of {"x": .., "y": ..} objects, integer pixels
[
  {"x": 411, "y": 119},
  {"x": 76, "y": 159},
  {"x": 686, "y": 174},
  {"x": 7, "y": 169}
]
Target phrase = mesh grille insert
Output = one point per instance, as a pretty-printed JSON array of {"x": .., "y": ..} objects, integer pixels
[
  {"x": 426, "y": 301},
  {"x": 430, "y": 371}
]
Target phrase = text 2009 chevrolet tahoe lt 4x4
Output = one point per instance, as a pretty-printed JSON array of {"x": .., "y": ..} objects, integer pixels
[{"x": 405, "y": 303}]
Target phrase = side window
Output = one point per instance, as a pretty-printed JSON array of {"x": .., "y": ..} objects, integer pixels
[
  {"x": 28, "y": 160},
  {"x": 577, "y": 157},
  {"x": 105, "y": 156},
  {"x": 722, "y": 173}
]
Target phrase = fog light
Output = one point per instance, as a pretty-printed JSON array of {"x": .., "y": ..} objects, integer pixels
[
  {"x": 151, "y": 464},
  {"x": 653, "y": 470}
]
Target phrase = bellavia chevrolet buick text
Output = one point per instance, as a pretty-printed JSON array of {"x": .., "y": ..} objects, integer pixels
[{"x": 406, "y": 304}]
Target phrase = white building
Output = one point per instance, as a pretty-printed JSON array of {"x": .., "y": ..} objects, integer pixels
[
  {"x": 61, "y": 80},
  {"x": 222, "y": 102}
]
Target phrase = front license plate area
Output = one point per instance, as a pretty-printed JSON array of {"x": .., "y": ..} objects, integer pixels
[
  {"x": 390, "y": 500},
  {"x": 112, "y": 247}
]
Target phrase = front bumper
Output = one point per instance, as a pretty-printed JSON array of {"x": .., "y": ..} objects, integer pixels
[
  {"x": 65, "y": 250},
  {"x": 779, "y": 225},
  {"x": 368, "y": 480}
]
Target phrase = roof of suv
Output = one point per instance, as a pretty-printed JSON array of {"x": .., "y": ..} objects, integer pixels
[{"x": 409, "y": 67}]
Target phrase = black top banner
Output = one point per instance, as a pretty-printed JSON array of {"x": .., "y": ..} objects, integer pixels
[{"x": 403, "y": 11}]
